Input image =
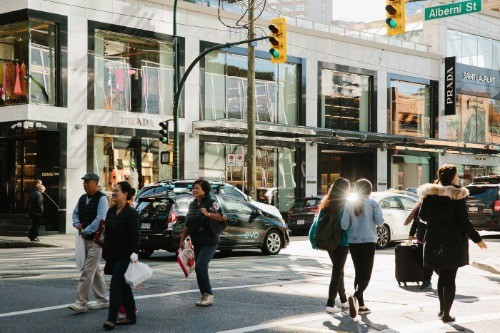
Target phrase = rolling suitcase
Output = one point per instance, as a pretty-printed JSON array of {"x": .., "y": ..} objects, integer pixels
[{"x": 409, "y": 266}]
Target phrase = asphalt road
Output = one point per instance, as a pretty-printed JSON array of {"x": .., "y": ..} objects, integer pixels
[{"x": 253, "y": 293}]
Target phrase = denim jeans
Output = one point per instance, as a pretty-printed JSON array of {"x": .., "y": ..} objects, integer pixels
[
  {"x": 338, "y": 257},
  {"x": 203, "y": 254},
  {"x": 120, "y": 291}
]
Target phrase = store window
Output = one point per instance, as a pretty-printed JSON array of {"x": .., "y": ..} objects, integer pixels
[
  {"x": 477, "y": 119},
  {"x": 132, "y": 159},
  {"x": 275, "y": 171},
  {"x": 133, "y": 74},
  {"x": 410, "y": 109},
  {"x": 409, "y": 171},
  {"x": 345, "y": 100},
  {"x": 27, "y": 63},
  {"x": 473, "y": 50},
  {"x": 276, "y": 89}
]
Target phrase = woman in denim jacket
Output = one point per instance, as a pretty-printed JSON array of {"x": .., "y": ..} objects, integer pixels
[{"x": 361, "y": 217}]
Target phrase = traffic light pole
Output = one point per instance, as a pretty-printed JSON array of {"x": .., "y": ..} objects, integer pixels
[
  {"x": 175, "y": 171},
  {"x": 179, "y": 90},
  {"x": 251, "y": 139}
]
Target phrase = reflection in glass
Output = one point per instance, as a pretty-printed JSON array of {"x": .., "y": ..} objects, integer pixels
[
  {"x": 410, "y": 109},
  {"x": 345, "y": 100},
  {"x": 409, "y": 171},
  {"x": 473, "y": 50}
]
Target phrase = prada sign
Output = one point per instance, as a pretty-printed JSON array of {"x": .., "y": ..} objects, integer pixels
[
  {"x": 137, "y": 121},
  {"x": 449, "y": 77}
]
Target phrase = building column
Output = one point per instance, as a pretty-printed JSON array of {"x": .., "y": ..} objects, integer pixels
[
  {"x": 312, "y": 151},
  {"x": 382, "y": 169}
]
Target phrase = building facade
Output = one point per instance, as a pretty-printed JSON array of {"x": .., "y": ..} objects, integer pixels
[{"x": 85, "y": 85}]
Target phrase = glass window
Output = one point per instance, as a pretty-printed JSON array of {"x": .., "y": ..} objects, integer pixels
[
  {"x": 473, "y": 50},
  {"x": 454, "y": 44},
  {"x": 131, "y": 159},
  {"x": 469, "y": 50},
  {"x": 133, "y": 74},
  {"x": 410, "y": 109},
  {"x": 409, "y": 171},
  {"x": 390, "y": 203},
  {"x": 408, "y": 203},
  {"x": 27, "y": 63},
  {"x": 477, "y": 120},
  {"x": 276, "y": 89},
  {"x": 233, "y": 205},
  {"x": 275, "y": 170},
  {"x": 345, "y": 100}
]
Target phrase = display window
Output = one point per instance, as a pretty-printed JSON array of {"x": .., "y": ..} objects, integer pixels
[
  {"x": 409, "y": 172},
  {"x": 477, "y": 119},
  {"x": 345, "y": 100},
  {"x": 133, "y": 74},
  {"x": 276, "y": 89},
  {"x": 132, "y": 159},
  {"x": 275, "y": 171},
  {"x": 27, "y": 63},
  {"x": 410, "y": 109}
]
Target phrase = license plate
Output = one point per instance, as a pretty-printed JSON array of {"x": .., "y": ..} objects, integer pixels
[
  {"x": 146, "y": 226},
  {"x": 473, "y": 209},
  {"x": 300, "y": 222}
]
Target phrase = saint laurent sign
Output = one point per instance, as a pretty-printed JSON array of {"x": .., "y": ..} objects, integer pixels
[
  {"x": 449, "y": 76},
  {"x": 477, "y": 77}
]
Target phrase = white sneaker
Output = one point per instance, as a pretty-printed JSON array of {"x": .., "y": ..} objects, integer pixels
[
  {"x": 77, "y": 307},
  {"x": 206, "y": 300},
  {"x": 98, "y": 305},
  {"x": 344, "y": 306},
  {"x": 331, "y": 309}
]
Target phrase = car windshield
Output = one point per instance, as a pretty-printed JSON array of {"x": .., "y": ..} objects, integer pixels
[
  {"x": 182, "y": 204},
  {"x": 305, "y": 203},
  {"x": 487, "y": 195}
]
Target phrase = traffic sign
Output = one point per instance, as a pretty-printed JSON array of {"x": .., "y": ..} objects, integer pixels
[
  {"x": 453, "y": 9},
  {"x": 239, "y": 159},
  {"x": 231, "y": 160}
]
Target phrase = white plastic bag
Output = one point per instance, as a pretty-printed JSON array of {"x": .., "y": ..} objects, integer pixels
[
  {"x": 80, "y": 253},
  {"x": 185, "y": 258},
  {"x": 137, "y": 273}
]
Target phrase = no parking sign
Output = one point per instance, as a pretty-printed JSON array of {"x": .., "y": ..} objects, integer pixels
[
  {"x": 239, "y": 159},
  {"x": 231, "y": 160}
]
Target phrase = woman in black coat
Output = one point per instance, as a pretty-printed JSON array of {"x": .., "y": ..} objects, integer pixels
[
  {"x": 121, "y": 246},
  {"x": 446, "y": 246}
]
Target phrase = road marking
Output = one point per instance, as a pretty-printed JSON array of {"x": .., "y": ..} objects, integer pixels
[{"x": 57, "y": 307}]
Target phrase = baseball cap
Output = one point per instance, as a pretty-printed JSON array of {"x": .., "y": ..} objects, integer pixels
[{"x": 90, "y": 176}]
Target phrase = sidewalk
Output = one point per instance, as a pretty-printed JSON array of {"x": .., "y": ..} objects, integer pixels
[{"x": 55, "y": 240}]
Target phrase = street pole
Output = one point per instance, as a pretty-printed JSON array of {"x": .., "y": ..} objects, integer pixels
[
  {"x": 250, "y": 158},
  {"x": 175, "y": 171}
]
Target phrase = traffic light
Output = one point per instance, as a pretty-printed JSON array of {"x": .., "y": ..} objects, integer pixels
[
  {"x": 278, "y": 40},
  {"x": 396, "y": 20},
  {"x": 164, "y": 132}
]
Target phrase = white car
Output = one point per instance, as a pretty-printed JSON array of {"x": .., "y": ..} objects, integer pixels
[{"x": 395, "y": 208}]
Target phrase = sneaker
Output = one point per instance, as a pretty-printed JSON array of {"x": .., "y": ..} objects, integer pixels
[
  {"x": 364, "y": 311},
  {"x": 98, "y": 305},
  {"x": 77, "y": 307},
  {"x": 35, "y": 240},
  {"x": 206, "y": 300},
  {"x": 353, "y": 306},
  {"x": 123, "y": 314},
  {"x": 344, "y": 305},
  {"x": 331, "y": 309},
  {"x": 426, "y": 285}
]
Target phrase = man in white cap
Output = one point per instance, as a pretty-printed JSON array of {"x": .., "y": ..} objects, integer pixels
[{"x": 89, "y": 211}]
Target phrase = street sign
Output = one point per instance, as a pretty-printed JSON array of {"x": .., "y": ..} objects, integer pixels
[
  {"x": 231, "y": 160},
  {"x": 453, "y": 9},
  {"x": 239, "y": 159}
]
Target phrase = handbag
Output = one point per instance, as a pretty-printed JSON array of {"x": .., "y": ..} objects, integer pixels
[
  {"x": 80, "y": 253},
  {"x": 99, "y": 234},
  {"x": 137, "y": 273},
  {"x": 215, "y": 228},
  {"x": 185, "y": 257}
]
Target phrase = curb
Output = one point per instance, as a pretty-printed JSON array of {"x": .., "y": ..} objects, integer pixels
[{"x": 19, "y": 245}]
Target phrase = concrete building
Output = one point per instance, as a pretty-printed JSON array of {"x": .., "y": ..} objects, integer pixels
[{"x": 86, "y": 83}]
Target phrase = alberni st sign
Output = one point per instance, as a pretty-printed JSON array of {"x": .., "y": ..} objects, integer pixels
[{"x": 453, "y": 9}]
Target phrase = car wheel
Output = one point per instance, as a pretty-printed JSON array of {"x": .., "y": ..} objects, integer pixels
[
  {"x": 383, "y": 236},
  {"x": 272, "y": 243},
  {"x": 145, "y": 253}
]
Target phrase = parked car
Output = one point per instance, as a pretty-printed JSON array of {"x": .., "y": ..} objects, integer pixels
[
  {"x": 483, "y": 205},
  {"x": 180, "y": 186},
  {"x": 492, "y": 179},
  {"x": 395, "y": 208},
  {"x": 163, "y": 217},
  {"x": 302, "y": 213}
]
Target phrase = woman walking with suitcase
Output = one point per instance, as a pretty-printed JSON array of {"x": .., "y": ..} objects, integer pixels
[
  {"x": 361, "y": 218},
  {"x": 448, "y": 229}
]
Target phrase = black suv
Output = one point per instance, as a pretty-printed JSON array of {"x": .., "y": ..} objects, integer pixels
[
  {"x": 483, "y": 203},
  {"x": 163, "y": 217}
]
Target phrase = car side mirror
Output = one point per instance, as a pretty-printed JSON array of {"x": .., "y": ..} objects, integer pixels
[{"x": 255, "y": 213}]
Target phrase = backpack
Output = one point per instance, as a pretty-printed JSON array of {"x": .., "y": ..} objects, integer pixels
[{"x": 328, "y": 231}]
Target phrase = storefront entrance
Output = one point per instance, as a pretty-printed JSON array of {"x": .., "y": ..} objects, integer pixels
[{"x": 335, "y": 163}]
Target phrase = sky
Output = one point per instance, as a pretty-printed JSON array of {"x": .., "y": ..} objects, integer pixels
[{"x": 358, "y": 10}]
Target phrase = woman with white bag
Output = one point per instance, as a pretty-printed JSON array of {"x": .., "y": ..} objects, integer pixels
[{"x": 121, "y": 245}]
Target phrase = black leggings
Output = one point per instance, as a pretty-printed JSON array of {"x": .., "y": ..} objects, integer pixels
[
  {"x": 363, "y": 255},
  {"x": 446, "y": 289},
  {"x": 338, "y": 257}
]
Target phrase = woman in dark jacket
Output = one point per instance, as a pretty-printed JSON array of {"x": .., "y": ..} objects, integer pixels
[
  {"x": 446, "y": 246},
  {"x": 205, "y": 243},
  {"x": 333, "y": 204},
  {"x": 121, "y": 245}
]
